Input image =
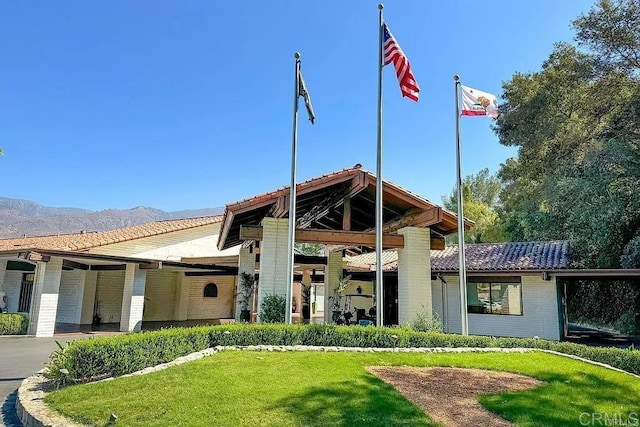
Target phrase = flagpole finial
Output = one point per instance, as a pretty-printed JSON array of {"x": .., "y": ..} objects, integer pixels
[
  {"x": 456, "y": 77},
  {"x": 380, "y": 6},
  {"x": 297, "y": 55}
]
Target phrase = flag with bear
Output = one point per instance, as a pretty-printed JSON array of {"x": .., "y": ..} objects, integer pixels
[{"x": 478, "y": 103}]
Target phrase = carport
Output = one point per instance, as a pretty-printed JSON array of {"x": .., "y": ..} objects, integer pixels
[{"x": 570, "y": 279}]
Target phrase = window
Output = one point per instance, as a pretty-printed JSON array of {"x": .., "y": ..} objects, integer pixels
[
  {"x": 489, "y": 297},
  {"x": 211, "y": 290},
  {"x": 26, "y": 289}
]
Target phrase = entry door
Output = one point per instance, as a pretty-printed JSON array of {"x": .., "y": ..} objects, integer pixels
[{"x": 390, "y": 301}]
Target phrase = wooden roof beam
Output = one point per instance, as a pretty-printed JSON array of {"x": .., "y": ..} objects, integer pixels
[
  {"x": 414, "y": 218},
  {"x": 66, "y": 263},
  {"x": 330, "y": 237},
  {"x": 358, "y": 184}
]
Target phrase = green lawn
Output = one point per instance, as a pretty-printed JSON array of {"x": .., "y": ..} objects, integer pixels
[{"x": 305, "y": 388}]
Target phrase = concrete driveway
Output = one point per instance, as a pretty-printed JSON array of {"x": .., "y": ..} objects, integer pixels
[{"x": 19, "y": 358}]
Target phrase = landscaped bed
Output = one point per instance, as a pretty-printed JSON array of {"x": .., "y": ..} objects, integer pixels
[
  {"x": 326, "y": 388},
  {"x": 89, "y": 360}
]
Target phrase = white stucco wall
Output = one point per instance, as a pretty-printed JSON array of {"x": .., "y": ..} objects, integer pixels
[
  {"x": 194, "y": 242},
  {"x": 539, "y": 311}
]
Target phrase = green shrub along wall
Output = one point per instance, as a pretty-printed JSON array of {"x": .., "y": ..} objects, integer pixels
[
  {"x": 92, "y": 359},
  {"x": 13, "y": 323}
]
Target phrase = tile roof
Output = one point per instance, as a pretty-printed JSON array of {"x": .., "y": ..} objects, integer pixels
[
  {"x": 388, "y": 256},
  {"x": 87, "y": 240},
  {"x": 270, "y": 195},
  {"x": 337, "y": 175},
  {"x": 488, "y": 257}
]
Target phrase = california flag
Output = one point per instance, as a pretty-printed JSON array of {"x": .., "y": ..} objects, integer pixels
[{"x": 478, "y": 103}]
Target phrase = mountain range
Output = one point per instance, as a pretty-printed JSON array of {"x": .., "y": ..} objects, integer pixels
[{"x": 20, "y": 218}]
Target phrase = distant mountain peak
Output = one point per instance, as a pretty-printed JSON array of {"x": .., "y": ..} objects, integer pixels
[{"x": 24, "y": 217}]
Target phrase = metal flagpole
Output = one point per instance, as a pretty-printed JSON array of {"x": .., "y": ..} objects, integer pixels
[
  {"x": 462, "y": 269},
  {"x": 379, "y": 280},
  {"x": 292, "y": 193}
]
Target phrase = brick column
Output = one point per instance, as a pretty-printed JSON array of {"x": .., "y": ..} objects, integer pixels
[
  {"x": 133, "y": 298},
  {"x": 414, "y": 274},
  {"x": 181, "y": 302},
  {"x": 273, "y": 259},
  {"x": 44, "y": 304},
  {"x": 332, "y": 274},
  {"x": 246, "y": 264},
  {"x": 88, "y": 297}
]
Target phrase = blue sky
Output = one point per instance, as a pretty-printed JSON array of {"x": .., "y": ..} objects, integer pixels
[{"x": 181, "y": 105}]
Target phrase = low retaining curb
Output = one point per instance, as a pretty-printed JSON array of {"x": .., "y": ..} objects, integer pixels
[
  {"x": 33, "y": 412},
  {"x": 30, "y": 406}
]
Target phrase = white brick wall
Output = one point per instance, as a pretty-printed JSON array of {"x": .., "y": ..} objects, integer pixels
[
  {"x": 181, "y": 303},
  {"x": 3, "y": 268},
  {"x": 332, "y": 275},
  {"x": 437, "y": 302},
  {"x": 44, "y": 305},
  {"x": 109, "y": 289},
  {"x": 133, "y": 298},
  {"x": 160, "y": 295},
  {"x": 414, "y": 274},
  {"x": 70, "y": 296},
  {"x": 11, "y": 285},
  {"x": 273, "y": 259},
  {"x": 221, "y": 307},
  {"x": 89, "y": 297},
  {"x": 539, "y": 307}
]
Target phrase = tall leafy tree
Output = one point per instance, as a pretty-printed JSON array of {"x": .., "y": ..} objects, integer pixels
[
  {"x": 575, "y": 123},
  {"x": 480, "y": 200}
]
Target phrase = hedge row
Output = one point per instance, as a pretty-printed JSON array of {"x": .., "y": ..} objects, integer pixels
[
  {"x": 91, "y": 359},
  {"x": 13, "y": 323}
]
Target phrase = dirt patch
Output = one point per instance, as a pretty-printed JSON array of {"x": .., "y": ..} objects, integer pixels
[{"x": 448, "y": 395}]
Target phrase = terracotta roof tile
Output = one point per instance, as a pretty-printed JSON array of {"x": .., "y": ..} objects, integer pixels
[
  {"x": 487, "y": 257},
  {"x": 80, "y": 241}
]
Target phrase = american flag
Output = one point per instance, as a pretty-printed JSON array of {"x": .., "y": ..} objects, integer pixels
[{"x": 393, "y": 53}]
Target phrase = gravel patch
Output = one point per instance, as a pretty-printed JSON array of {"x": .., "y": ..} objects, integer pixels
[{"x": 449, "y": 395}]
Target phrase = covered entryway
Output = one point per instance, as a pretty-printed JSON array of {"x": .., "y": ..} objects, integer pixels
[
  {"x": 338, "y": 211},
  {"x": 65, "y": 291}
]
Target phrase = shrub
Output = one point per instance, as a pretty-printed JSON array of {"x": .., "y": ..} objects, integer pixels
[
  {"x": 626, "y": 324},
  {"x": 272, "y": 309},
  {"x": 245, "y": 295},
  {"x": 13, "y": 323},
  {"x": 87, "y": 360},
  {"x": 426, "y": 322}
]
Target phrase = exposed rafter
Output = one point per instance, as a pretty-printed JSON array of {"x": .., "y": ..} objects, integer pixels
[{"x": 330, "y": 237}]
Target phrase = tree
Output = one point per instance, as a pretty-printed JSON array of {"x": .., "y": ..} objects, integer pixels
[
  {"x": 575, "y": 125},
  {"x": 480, "y": 198},
  {"x": 612, "y": 31},
  {"x": 313, "y": 249},
  {"x": 577, "y": 129}
]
